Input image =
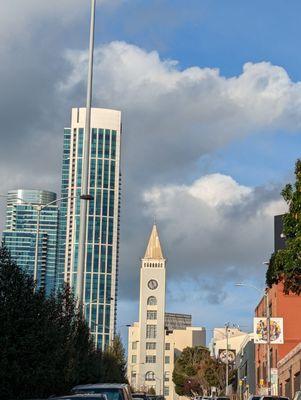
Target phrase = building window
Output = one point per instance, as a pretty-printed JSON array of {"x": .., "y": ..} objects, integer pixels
[
  {"x": 152, "y": 301},
  {"x": 167, "y": 359},
  {"x": 166, "y": 391},
  {"x": 151, "y": 315},
  {"x": 166, "y": 376},
  {"x": 134, "y": 359},
  {"x": 133, "y": 378},
  {"x": 151, "y": 331},
  {"x": 150, "y": 346},
  {"x": 150, "y": 376},
  {"x": 134, "y": 345},
  {"x": 150, "y": 359},
  {"x": 167, "y": 346}
]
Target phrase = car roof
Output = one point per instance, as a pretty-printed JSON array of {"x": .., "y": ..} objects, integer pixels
[
  {"x": 84, "y": 396},
  {"x": 102, "y": 385}
]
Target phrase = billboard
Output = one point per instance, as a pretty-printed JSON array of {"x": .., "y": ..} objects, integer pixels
[{"x": 276, "y": 330}]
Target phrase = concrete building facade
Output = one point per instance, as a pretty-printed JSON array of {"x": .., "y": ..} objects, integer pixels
[
  {"x": 101, "y": 263},
  {"x": 158, "y": 337},
  {"x": 219, "y": 340}
]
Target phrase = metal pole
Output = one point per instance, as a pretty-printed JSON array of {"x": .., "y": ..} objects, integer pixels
[
  {"x": 227, "y": 357},
  {"x": 268, "y": 342},
  {"x": 36, "y": 253},
  {"x": 85, "y": 171}
]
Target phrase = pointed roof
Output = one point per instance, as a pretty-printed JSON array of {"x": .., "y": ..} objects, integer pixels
[{"x": 153, "y": 250}]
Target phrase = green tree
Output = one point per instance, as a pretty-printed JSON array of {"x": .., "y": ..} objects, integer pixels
[
  {"x": 285, "y": 264},
  {"x": 45, "y": 343},
  {"x": 195, "y": 372},
  {"x": 118, "y": 352}
]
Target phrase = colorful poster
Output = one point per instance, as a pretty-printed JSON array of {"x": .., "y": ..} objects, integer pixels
[
  {"x": 276, "y": 330},
  {"x": 222, "y": 355}
]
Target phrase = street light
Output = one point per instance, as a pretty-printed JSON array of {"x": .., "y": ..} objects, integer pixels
[
  {"x": 85, "y": 172},
  {"x": 226, "y": 334},
  {"x": 264, "y": 293},
  {"x": 39, "y": 208}
]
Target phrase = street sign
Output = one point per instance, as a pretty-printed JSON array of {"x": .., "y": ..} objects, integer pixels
[{"x": 222, "y": 355}]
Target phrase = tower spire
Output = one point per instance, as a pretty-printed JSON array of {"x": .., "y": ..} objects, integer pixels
[{"x": 153, "y": 250}]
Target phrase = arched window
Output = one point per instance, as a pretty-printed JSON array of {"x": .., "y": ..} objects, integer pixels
[
  {"x": 150, "y": 376},
  {"x": 152, "y": 301}
]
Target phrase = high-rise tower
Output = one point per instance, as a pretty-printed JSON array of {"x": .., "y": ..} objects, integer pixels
[
  {"x": 101, "y": 262},
  {"x": 21, "y": 232}
]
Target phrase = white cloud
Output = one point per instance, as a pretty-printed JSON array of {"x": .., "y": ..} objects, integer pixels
[
  {"x": 173, "y": 116},
  {"x": 215, "y": 227},
  {"x": 218, "y": 190}
]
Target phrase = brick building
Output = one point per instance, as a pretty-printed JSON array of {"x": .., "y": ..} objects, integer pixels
[
  {"x": 281, "y": 305},
  {"x": 289, "y": 371},
  {"x": 289, "y": 308}
]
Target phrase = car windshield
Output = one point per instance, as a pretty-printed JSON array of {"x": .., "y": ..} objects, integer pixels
[{"x": 112, "y": 394}]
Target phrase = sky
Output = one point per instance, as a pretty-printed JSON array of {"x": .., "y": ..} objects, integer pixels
[{"x": 210, "y": 96}]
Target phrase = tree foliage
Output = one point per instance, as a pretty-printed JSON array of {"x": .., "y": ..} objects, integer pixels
[
  {"x": 45, "y": 344},
  {"x": 195, "y": 372},
  {"x": 285, "y": 264}
]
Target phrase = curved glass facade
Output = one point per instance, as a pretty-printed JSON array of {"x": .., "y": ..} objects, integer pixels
[{"x": 102, "y": 220}]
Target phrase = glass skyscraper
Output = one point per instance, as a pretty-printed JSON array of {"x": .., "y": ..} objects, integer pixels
[
  {"x": 20, "y": 233},
  {"x": 101, "y": 263}
]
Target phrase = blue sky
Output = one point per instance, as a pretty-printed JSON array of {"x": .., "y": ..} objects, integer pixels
[{"x": 215, "y": 33}]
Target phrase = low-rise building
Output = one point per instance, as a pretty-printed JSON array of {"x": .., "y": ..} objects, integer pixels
[
  {"x": 245, "y": 365},
  {"x": 234, "y": 337},
  {"x": 289, "y": 372}
]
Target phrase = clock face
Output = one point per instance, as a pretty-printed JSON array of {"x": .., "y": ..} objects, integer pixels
[{"x": 152, "y": 284}]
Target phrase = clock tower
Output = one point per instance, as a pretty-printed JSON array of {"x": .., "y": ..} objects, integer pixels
[{"x": 151, "y": 346}]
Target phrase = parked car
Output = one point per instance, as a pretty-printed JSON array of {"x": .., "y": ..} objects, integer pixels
[
  {"x": 146, "y": 396},
  {"x": 113, "y": 391},
  {"x": 222, "y": 398},
  {"x": 86, "y": 396},
  {"x": 155, "y": 397},
  {"x": 140, "y": 395},
  {"x": 254, "y": 397},
  {"x": 274, "y": 398}
]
